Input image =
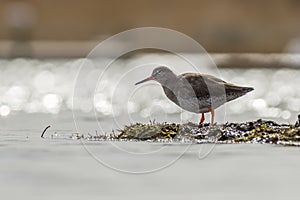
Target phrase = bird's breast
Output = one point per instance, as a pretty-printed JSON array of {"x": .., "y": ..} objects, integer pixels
[{"x": 187, "y": 99}]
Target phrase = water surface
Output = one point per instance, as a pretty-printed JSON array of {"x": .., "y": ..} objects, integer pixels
[{"x": 37, "y": 93}]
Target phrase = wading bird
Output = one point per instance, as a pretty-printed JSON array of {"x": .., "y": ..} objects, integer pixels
[{"x": 198, "y": 93}]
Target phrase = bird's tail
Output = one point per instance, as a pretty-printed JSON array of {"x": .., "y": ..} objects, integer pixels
[
  {"x": 247, "y": 89},
  {"x": 233, "y": 91}
]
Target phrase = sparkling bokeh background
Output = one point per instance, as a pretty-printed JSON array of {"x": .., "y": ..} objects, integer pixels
[{"x": 46, "y": 86}]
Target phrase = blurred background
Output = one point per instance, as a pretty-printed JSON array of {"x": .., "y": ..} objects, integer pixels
[
  {"x": 253, "y": 43},
  {"x": 71, "y": 28}
]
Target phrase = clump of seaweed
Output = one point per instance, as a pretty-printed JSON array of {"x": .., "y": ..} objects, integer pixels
[
  {"x": 262, "y": 131},
  {"x": 259, "y": 131},
  {"x": 150, "y": 131}
]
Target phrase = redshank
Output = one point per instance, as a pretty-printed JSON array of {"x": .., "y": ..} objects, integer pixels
[{"x": 198, "y": 93}]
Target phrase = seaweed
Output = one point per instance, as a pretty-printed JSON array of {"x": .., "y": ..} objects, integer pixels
[{"x": 259, "y": 131}]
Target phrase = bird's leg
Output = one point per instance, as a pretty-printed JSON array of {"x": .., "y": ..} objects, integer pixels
[
  {"x": 202, "y": 118},
  {"x": 212, "y": 111},
  {"x": 201, "y": 121}
]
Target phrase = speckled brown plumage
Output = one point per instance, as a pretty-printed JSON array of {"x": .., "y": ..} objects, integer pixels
[{"x": 198, "y": 93}]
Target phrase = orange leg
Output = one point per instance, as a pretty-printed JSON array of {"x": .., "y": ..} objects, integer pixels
[
  {"x": 202, "y": 118},
  {"x": 212, "y": 111}
]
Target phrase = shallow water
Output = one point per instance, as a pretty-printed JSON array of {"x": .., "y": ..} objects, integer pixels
[
  {"x": 37, "y": 93},
  {"x": 32, "y": 168}
]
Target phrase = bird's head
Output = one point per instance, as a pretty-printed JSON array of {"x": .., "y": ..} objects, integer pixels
[{"x": 161, "y": 74}]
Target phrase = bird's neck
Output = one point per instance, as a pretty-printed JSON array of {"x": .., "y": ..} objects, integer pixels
[{"x": 169, "y": 83}]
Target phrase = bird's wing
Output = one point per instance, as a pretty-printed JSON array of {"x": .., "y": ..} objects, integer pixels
[
  {"x": 206, "y": 77},
  {"x": 214, "y": 78},
  {"x": 202, "y": 85}
]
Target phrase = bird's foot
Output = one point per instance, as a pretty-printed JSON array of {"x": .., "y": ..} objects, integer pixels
[{"x": 201, "y": 125}]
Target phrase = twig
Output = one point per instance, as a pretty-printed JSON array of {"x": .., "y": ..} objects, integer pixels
[{"x": 42, "y": 136}]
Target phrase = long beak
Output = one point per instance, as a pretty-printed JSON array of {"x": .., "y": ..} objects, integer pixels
[{"x": 147, "y": 79}]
